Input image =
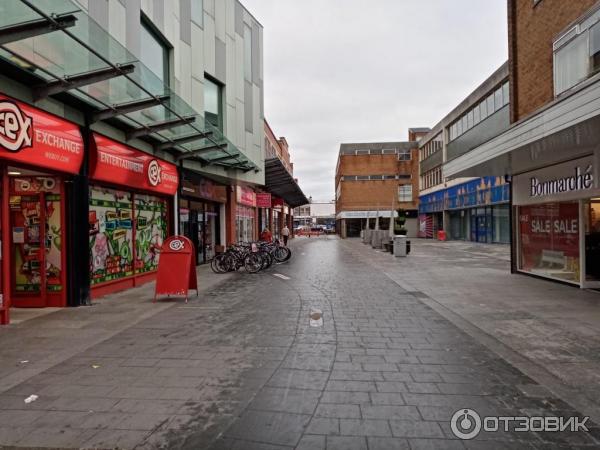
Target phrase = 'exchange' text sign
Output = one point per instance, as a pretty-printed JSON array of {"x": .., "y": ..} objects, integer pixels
[{"x": 31, "y": 136}]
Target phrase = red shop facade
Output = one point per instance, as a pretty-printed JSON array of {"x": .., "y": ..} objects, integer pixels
[
  {"x": 131, "y": 198},
  {"x": 40, "y": 154},
  {"x": 71, "y": 199}
]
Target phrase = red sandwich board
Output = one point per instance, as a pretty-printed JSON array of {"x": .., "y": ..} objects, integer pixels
[{"x": 176, "y": 268}]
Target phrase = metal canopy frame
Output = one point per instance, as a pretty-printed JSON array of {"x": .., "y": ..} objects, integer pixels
[
  {"x": 34, "y": 28},
  {"x": 82, "y": 79},
  {"x": 184, "y": 140},
  {"x": 199, "y": 151},
  {"x": 158, "y": 126},
  {"x": 125, "y": 108},
  {"x": 146, "y": 96}
]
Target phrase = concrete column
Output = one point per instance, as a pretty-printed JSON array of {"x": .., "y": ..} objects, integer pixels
[
  {"x": 343, "y": 230},
  {"x": 270, "y": 220},
  {"x": 281, "y": 220}
]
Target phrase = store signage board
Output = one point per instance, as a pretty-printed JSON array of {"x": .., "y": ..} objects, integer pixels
[
  {"x": 365, "y": 214},
  {"x": 31, "y": 136},
  {"x": 176, "y": 268},
  {"x": 263, "y": 200},
  {"x": 246, "y": 196},
  {"x": 562, "y": 182},
  {"x": 120, "y": 164}
]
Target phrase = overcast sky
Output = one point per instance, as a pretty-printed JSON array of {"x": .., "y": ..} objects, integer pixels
[{"x": 365, "y": 71}]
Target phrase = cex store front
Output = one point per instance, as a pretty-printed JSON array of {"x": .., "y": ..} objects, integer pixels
[
  {"x": 131, "y": 199},
  {"x": 39, "y": 153}
]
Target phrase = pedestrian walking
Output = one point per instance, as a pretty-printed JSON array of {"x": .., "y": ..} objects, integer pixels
[{"x": 285, "y": 232}]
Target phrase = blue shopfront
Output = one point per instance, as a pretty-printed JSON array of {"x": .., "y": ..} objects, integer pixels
[{"x": 477, "y": 210}]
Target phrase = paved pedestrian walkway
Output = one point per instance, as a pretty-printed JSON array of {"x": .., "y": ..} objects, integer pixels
[
  {"x": 241, "y": 367},
  {"x": 553, "y": 329}
]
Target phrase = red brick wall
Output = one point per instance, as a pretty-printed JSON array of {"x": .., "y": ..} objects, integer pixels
[
  {"x": 367, "y": 195},
  {"x": 531, "y": 31}
]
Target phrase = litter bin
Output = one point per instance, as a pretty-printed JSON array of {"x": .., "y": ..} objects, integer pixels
[{"x": 400, "y": 245}]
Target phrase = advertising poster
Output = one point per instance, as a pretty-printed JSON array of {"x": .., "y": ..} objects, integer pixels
[
  {"x": 549, "y": 240},
  {"x": 111, "y": 234},
  {"x": 150, "y": 231}
]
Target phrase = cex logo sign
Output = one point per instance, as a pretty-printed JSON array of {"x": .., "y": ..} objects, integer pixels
[
  {"x": 16, "y": 129},
  {"x": 154, "y": 173}
]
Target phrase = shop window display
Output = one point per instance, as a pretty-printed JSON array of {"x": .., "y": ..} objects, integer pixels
[
  {"x": 549, "y": 240},
  {"x": 245, "y": 223},
  {"x": 150, "y": 231},
  {"x": 111, "y": 234},
  {"x": 35, "y": 205}
]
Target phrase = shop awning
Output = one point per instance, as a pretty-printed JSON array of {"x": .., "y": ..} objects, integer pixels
[
  {"x": 55, "y": 47},
  {"x": 278, "y": 181}
]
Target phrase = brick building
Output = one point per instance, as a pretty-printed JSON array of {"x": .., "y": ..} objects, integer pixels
[
  {"x": 552, "y": 149},
  {"x": 281, "y": 193},
  {"x": 373, "y": 178}
]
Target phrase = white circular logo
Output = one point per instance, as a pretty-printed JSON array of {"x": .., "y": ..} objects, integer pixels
[
  {"x": 465, "y": 424},
  {"x": 176, "y": 245},
  {"x": 154, "y": 173}
]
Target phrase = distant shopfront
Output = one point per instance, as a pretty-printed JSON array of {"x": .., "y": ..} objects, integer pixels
[
  {"x": 246, "y": 216},
  {"x": 558, "y": 222},
  {"x": 130, "y": 199},
  {"x": 477, "y": 211},
  {"x": 201, "y": 208}
]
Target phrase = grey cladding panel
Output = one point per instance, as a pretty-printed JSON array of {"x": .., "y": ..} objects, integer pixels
[
  {"x": 239, "y": 18},
  {"x": 185, "y": 21},
  {"x": 132, "y": 29},
  {"x": 159, "y": 12},
  {"x": 220, "y": 60},
  {"x": 255, "y": 54},
  {"x": 248, "y": 107},
  {"x": 98, "y": 10},
  {"x": 480, "y": 133}
]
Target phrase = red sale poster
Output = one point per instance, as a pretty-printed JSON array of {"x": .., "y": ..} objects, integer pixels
[{"x": 549, "y": 239}]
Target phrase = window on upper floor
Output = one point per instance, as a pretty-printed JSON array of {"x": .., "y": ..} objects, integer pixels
[
  {"x": 213, "y": 103},
  {"x": 405, "y": 193},
  {"x": 198, "y": 12},
  {"x": 577, "y": 53},
  {"x": 404, "y": 155},
  {"x": 154, "y": 51},
  {"x": 476, "y": 115}
]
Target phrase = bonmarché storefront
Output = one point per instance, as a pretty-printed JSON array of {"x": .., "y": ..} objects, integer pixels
[{"x": 557, "y": 212}]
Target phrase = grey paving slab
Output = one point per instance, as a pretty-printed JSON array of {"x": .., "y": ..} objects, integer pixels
[
  {"x": 239, "y": 367},
  {"x": 269, "y": 427}
]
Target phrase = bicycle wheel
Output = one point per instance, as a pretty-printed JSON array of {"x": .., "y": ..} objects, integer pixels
[
  {"x": 253, "y": 263},
  {"x": 282, "y": 254},
  {"x": 219, "y": 263}
]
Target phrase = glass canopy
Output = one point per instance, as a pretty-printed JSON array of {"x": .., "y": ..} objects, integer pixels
[{"x": 65, "y": 49}]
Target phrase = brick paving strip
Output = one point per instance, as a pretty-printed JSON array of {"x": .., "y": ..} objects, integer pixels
[{"x": 241, "y": 368}]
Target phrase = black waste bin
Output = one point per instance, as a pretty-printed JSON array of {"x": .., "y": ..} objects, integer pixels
[{"x": 407, "y": 247}]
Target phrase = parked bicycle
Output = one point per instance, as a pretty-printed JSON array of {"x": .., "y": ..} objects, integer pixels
[{"x": 253, "y": 256}]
